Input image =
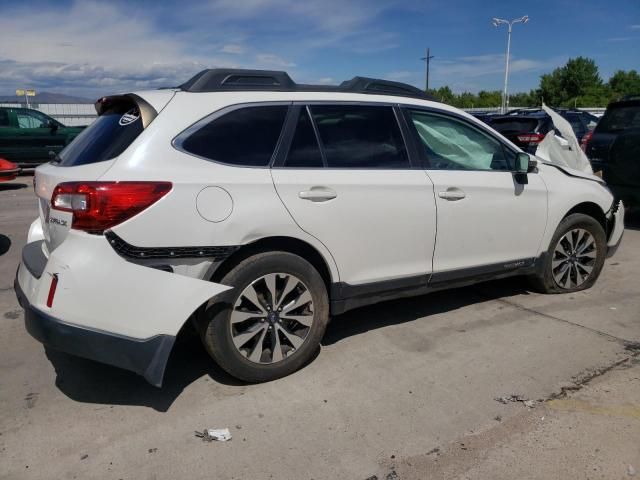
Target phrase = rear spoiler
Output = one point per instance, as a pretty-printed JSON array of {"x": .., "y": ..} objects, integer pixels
[{"x": 147, "y": 112}]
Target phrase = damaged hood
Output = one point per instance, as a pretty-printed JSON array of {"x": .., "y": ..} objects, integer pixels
[{"x": 563, "y": 151}]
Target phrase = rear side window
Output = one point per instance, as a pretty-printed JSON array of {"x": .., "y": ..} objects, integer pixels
[
  {"x": 245, "y": 137},
  {"x": 357, "y": 136},
  {"x": 106, "y": 138},
  {"x": 304, "y": 151}
]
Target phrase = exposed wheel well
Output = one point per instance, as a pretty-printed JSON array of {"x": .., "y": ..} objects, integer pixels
[
  {"x": 591, "y": 209},
  {"x": 276, "y": 244}
]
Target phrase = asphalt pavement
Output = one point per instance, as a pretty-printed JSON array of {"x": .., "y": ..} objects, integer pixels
[{"x": 400, "y": 390}]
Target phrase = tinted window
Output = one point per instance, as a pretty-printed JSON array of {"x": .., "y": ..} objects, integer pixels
[
  {"x": 4, "y": 118},
  {"x": 451, "y": 144},
  {"x": 247, "y": 136},
  {"x": 620, "y": 118},
  {"x": 304, "y": 151},
  {"x": 107, "y": 137},
  {"x": 355, "y": 136}
]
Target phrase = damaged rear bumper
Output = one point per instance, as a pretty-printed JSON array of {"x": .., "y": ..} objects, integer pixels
[
  {"x": 146, "y": 357},
  {"x": 105, "y": 308}
]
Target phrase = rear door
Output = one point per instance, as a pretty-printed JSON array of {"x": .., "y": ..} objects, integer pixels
[
  {"x": 488, "y": 222},
  {"x": 347, "y": 180}
]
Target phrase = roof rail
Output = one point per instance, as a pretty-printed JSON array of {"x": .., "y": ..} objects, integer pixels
[
  {"x": 229, "y": 79},
  {"x": 634, "y": 96}
]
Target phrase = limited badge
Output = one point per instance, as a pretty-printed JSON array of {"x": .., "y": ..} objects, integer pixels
[{"x": 129, "y": 117}]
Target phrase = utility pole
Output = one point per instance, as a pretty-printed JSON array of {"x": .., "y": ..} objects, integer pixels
[{"x": 427, "y": 59}]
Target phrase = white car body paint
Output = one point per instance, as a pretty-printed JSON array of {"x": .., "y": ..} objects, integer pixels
[
  {"x": 100, "y": 290},
  {"x": 380, "y": 226}
]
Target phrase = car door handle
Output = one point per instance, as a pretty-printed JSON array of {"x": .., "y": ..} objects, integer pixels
[
  {"x": 316, "y": 194},
  {"x": 452, "y": 194}
]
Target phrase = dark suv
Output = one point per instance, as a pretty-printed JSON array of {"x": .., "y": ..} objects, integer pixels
[
  {"x": 614, "y": 149},
  {"x": 527, "y": 128},
  {"x": 27, "y": 136}
]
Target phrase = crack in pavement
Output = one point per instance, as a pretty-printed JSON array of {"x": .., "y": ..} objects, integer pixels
[{"x": 627, "y": 343}]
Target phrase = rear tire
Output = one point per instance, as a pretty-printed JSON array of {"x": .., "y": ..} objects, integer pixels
[
  {"x": 575, "y": 257},
  {"x": 271, "y": 323}
]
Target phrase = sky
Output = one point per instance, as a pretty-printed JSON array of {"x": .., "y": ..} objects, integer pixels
[{"x": 93, "y": 48}]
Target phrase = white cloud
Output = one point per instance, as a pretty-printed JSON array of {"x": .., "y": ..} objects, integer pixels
[
  {"x": 481, "y": 65},
  {"x": 634, "y": 27},
  {"x": 273, "y": 60},
  {"x": 233, "y": 49},
  {"x": 324, "y": 81}
]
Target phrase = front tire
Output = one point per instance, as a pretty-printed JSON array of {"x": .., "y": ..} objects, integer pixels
[
  {"x": 271, "y": 323},
  {"x": 575, "y": 257}
]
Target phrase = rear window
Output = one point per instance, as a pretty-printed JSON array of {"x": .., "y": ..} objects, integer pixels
[
  {"x": 245, "y": 137},
  {"x": 620, "y": 118},
  {"x": 514, "y": 125},
  {"x": 106, "y": 138}
]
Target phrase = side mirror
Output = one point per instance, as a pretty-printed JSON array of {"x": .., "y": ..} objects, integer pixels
[
  {"x": 52, "y": 125},
  {"x": 522, "y": 163}
]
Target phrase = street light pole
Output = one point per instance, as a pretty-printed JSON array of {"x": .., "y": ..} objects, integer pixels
[
  {"x": 427, "y": 59},
  {"x": 497, "y": 22}
]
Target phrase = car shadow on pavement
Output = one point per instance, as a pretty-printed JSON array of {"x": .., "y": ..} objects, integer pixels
[
  {"x": 87, "y": 381},
  {"x": 12, "y": 186},
  {"x": 396, "y": 312},
  {"x": 91, "y": 382},
  {"x": 5, "y": 244}
]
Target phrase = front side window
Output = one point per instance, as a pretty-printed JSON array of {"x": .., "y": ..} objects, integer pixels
[
  {"x": 451, "y": 144},
  {"x": 246, "y": 137},
  {"x": 360, "y": 136},
  {"x": 28, "y": 119}
]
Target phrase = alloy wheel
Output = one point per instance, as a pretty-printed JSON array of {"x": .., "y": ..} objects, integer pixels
[
  {"x": 272, "y": 318},
  {"x": 574, "y": 258}
]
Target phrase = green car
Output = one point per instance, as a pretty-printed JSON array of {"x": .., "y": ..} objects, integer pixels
[{"x": 27, "y": 136}]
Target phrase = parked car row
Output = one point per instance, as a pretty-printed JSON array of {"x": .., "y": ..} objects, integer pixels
[
  {"x": 612, "y": 143},
  {"x": 528, "y": 127}
]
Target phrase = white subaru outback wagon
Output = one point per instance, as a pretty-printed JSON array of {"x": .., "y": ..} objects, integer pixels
[{"x": 256, "y": 207}]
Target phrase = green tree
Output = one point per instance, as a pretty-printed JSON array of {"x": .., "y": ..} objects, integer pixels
[{"x": 624, "y": 83}]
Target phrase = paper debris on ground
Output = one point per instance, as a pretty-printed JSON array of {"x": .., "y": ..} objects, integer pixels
[{"x": 214, "y": 434}]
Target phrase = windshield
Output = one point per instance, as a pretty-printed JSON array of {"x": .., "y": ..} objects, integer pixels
[
  {"x": 620, "y": 118},
  {"x": 106, "y": 138}
]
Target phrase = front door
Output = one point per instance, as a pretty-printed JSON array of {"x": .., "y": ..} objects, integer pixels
[
  {"x": 488, "y": 219},
  {"x": 355, "y": 191}
]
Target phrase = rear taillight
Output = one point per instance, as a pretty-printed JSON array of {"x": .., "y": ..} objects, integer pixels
[
  {"x": 531, "y": 138},
  {"x": 97, "y": 206},
  {"x": 584, "y": 143}
]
